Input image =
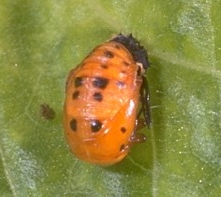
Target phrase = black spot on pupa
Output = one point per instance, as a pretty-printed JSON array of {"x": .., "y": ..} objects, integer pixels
[
  {"x": 108, "y": 54},
  {"x": 123, "y": 129},
  {"x": 75, "y": 95},
  {"x": 95, "y": 125},
  {"x": 73, "y": 124},
  {"x": 78, "y": 81},
  {"x": 104, "y": 66},
  {"x": 97, "y": 96},
  {"x": 122, "y": 147},
  {"x": 100, "y": 82}
]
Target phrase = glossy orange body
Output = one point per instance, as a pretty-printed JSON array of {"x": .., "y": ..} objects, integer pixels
[{"x": 102, "y": 97}]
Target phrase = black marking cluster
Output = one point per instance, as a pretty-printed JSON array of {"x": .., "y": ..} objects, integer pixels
[
  {"x": 138, "y": 52},
  {"x": 100, "y": 82},
  {"x": 96, "y": 125}
]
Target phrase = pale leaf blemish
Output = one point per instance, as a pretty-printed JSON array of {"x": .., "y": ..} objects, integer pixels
[
  {"x": 23, "y": 169},
  {"x": 203, "y": 140},
  {"x": 194, "y": 22}
]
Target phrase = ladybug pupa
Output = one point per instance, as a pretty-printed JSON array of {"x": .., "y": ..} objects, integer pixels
[{"x": 105, "y": 96}]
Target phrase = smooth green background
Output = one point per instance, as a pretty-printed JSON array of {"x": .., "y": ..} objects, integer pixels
[{"x": 40, "y": 41}]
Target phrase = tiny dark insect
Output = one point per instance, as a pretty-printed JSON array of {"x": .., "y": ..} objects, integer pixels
[{"x": 46, "y": 112}]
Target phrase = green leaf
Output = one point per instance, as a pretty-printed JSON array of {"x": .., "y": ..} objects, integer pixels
[{"x": 40, "y": 41}]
